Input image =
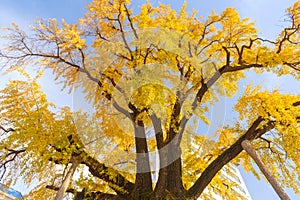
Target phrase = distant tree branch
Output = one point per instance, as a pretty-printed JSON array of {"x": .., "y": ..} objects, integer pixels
[
  {"x": 55, "y": 188},
  {"x": 293, "y": 65},
  {"x": 8, "y": 158},
  {"x": 7, "y": 130},
  {"x": 296, "y": 103},
  {"x": 130, "y": 21}
]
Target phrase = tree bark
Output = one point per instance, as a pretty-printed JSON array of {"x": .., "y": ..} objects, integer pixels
[
  {"x": 143, "y": 181},
  {"x": 170, "y": 174},
  {"x": 174, "y": 179},
  {"x": 251, "y": 151},
  {"x": 161, "y": 184},
  {"x": 170, "y": 167},
  {"x": 65, "y": 184}
]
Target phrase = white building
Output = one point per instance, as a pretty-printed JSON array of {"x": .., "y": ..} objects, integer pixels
[{"x": 231, "y": 173}]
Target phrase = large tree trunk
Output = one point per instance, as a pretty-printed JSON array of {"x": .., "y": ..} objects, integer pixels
[
  {"x": 143, "y": 182},
  {"x": 169, "y": 182},
  {"x": 174, "y": 173},
  {"x": 161, "y": 184}
]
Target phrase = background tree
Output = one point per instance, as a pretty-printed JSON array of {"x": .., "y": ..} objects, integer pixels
[{"x": 148, "y": 93}]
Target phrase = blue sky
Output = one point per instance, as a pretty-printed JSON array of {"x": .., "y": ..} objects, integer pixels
[{"x": 267, "y": 15}]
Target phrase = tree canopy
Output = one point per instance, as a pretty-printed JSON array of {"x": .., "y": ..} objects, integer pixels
[{"x": 150, "y": 77}]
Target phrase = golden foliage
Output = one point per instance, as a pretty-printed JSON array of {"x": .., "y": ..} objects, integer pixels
[{"x": 133, "y": 67}]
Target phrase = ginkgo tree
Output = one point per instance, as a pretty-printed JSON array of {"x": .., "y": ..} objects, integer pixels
[{"x": 150, "y": 76}]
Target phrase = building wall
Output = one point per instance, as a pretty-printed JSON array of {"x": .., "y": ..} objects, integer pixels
[{"x": 232, "y": 173}]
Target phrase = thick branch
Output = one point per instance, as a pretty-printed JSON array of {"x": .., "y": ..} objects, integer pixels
[
  {"x": 143, "y": 180},
  {"x": 109, "y": 175},
  {"x": 229, "y": 154},
  {"x": 115, "y": 180},
  {"x": 158, "y": 131},
  {"x": 84, "y": 194},
  {"x": 175, "y": 122}
]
